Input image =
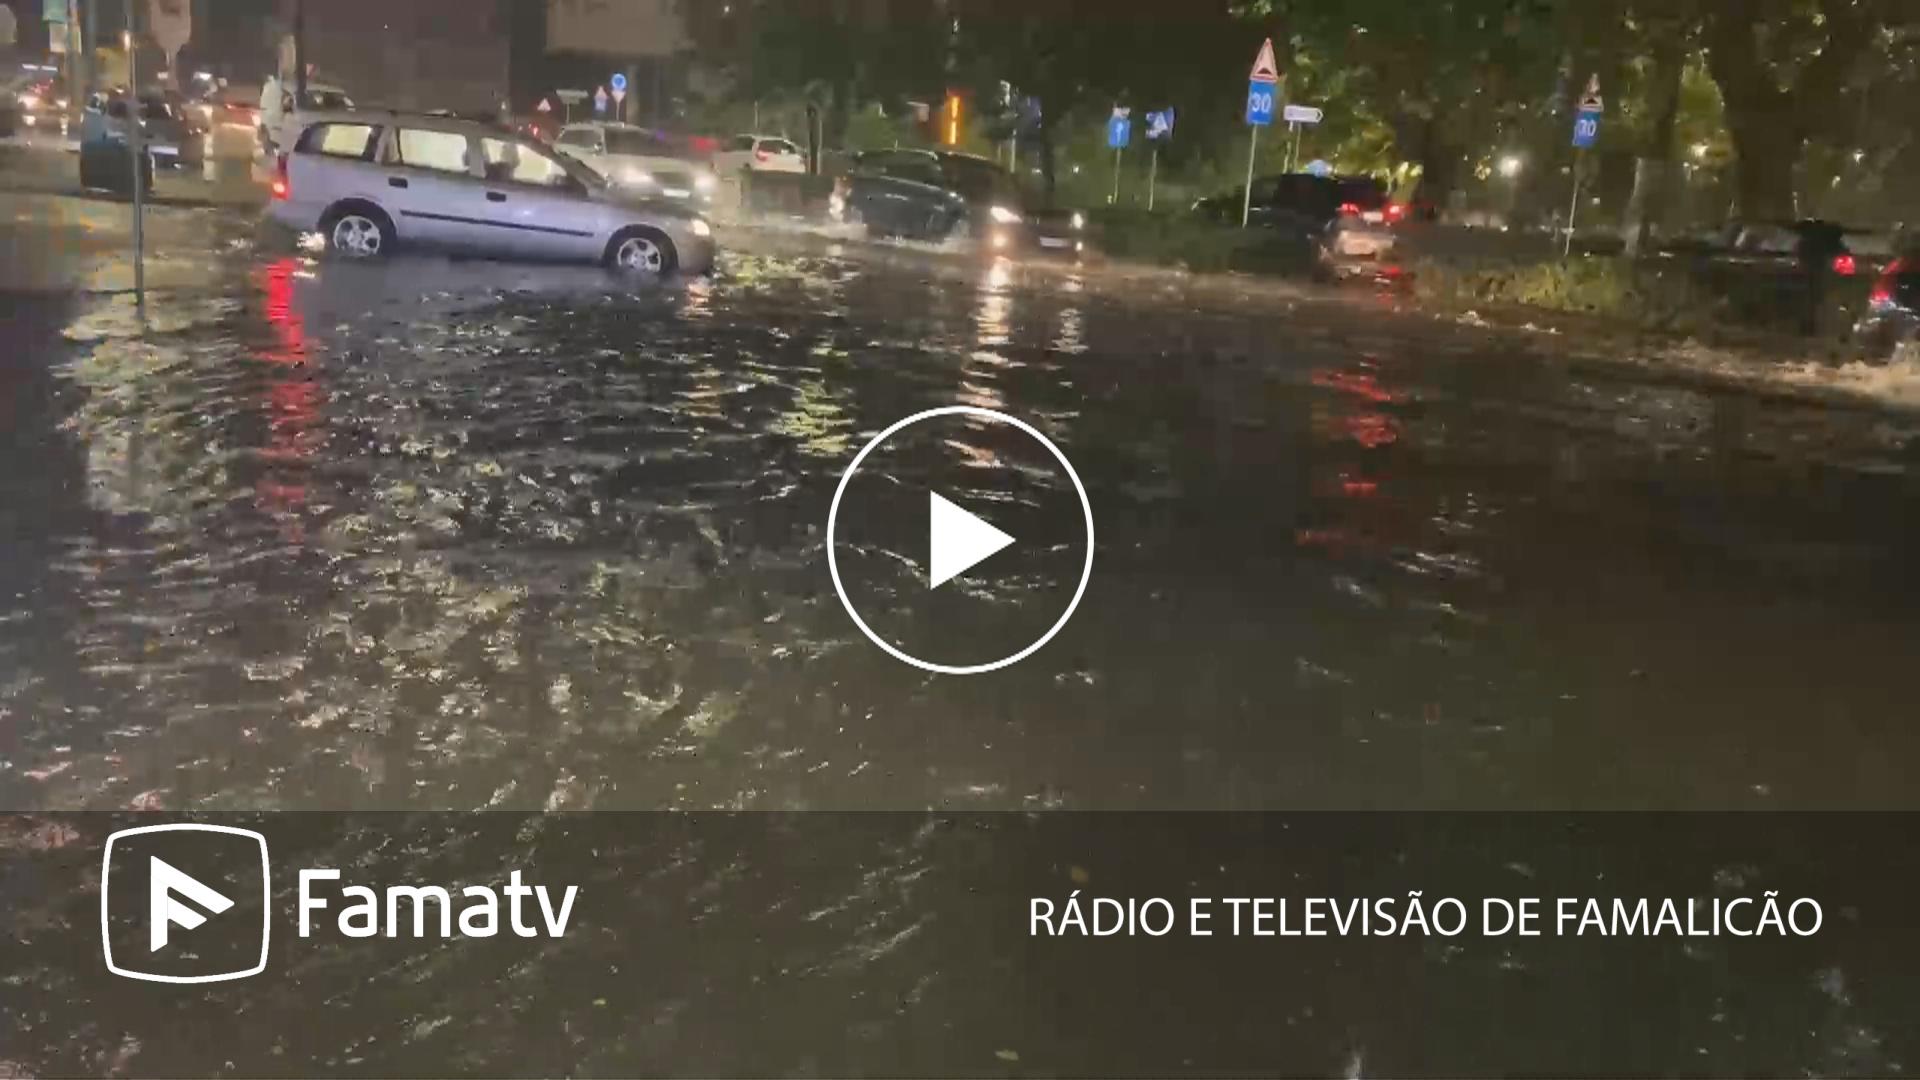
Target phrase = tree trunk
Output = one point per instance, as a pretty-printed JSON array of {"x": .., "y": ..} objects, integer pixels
[
  {"x": 1769, "y": 125},
  {"x": 1653, "y": 172},
  {"x": 1766, "y": 149},
  {"x": 1046, "y": 157}
]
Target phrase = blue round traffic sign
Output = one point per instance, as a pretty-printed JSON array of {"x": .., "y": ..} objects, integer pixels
[{"x": 618, "y": 82}]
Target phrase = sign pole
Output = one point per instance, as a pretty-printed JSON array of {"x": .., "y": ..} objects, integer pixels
[
  {"x": 1116, "y": 177},
  {"x": 1246, "y": 193},
  {"x": 1574, "y": 205},
  {"x": 134, "y": 153},
  {"x": 1153, "y": 171},
  {"x": 1293, "y": 155}
]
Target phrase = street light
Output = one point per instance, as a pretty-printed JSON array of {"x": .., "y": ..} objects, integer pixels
[
  {"x": 1699, "y": 151},
  {"x": 1511, "y": 165}
]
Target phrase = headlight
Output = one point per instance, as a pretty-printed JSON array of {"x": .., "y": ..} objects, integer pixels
[
  {"x": 701, "y": 228},
  {"x": 29, "y": 101},
  {"x": 1079, "y": 220},
  {"x": 1004, "y": 216},
  {"x": 706, "y": 181},
  {"x": 639, "y": 177}
]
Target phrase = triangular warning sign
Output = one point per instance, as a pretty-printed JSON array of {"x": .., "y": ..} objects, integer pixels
[
  {"x": 1590, "y": 101},
  {"x": 1265, "y": 69}
]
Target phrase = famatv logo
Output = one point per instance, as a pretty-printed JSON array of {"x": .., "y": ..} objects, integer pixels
[{"x": 185, "y": 903}]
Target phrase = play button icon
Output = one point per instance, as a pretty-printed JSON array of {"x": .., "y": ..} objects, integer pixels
[
  {"x": 957, "y": 541},
  {"x": 960, "y": 540}
]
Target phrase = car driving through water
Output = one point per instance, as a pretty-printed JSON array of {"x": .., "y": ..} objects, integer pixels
[{"x": 368, "y": 181}]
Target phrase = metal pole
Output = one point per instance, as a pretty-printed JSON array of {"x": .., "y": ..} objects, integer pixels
[
  {"x": 89, "y": 41},
  {"x": 1574, "y": 205},
  {"x": 1153, "y": 171},
  {"x": 299, "y": 57},
  {"x": 1116, "y": 177},
  {"x": 1293, "y": 156},
  {"x": 1246, "y": 193},
  {"x": 134, "y": 154}
]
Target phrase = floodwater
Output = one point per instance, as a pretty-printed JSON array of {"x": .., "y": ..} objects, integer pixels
[
  {"x": 438, "y": 534},
  {"x": 464, "y": 534}
]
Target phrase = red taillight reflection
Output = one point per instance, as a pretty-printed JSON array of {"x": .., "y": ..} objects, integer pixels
[
  {"x": 1843, "y": 265},
  {"x": 761, "y": 155},
  {"x": 280, "y": 186}
]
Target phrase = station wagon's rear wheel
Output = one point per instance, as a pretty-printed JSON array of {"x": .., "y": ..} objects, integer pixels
[
  {"x": 358, "y": 232},
  {"x": 644, "y": 251}
]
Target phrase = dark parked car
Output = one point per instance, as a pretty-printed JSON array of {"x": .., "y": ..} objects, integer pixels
[
  {"x": 169, "y": 137},
  {"x": 1772, "y": 271},
  {"x": 938, "y": 195},
  {"x": 105, "y": 160},
  {"x": 1342, "y": 217},
  {"x": 1893, "y": 309}
]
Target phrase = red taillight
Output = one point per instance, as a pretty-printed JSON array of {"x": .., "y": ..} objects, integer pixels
[
  {"x": 1348, "y": 209},
  {"x": 761, "y": 155},
  {"x": 1843, "y": 264},
  {"x": 280, "y": 186},
  {"x": 1396, "y": 211}
]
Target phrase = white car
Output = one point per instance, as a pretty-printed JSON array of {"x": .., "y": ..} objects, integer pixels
[
  {"x": 281, "y": 120},
  {"x": 759, "y": 153},
  {"x": 369, "y": 181},
  {"x": 637, "y": 158}
]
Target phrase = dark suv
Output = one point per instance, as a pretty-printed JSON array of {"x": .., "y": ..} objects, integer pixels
[
  {"x": 937, "y": 195},
  {"x": 1343, "y": 216}
]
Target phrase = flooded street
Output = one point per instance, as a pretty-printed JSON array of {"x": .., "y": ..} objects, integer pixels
[{"x": 444, "y": 534}]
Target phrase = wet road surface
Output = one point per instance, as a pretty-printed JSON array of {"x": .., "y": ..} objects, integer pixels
[
  {"x": 464, "y": 534},
  {"x": 438, "y": 534}
]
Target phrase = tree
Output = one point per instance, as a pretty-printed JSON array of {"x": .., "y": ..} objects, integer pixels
[{"x": 1783, "y": 67}]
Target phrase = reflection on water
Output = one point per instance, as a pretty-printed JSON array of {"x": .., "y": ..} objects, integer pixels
[{"x": 450, "y": 534}]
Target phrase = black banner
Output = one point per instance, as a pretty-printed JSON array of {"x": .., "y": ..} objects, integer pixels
[{"x": 907, "y": 944}]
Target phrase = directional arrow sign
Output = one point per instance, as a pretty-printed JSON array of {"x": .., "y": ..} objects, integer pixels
[
  {"x": 1301, "y": 114},
  {"x": 957, "y": 541}
]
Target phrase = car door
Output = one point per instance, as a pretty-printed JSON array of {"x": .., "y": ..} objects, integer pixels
[
  {"x": 584, "y": 144},
  {"x": 735, "y": 157},
  {"x": 899, "y": 193},
  {"x": 430, "y": 178},
  {"x": 534, "y": 206}
]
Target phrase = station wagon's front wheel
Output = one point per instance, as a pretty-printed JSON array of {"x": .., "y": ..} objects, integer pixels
[
  {"x": 641, "y": 251},
  {"x": 358, "y": 233}
]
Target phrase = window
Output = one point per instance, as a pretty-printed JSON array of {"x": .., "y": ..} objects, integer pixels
[
  {"x": 638, "y": 143},
  {"x": 518, "y": 163},
  {"x": 339, "y": 140},
  {"x": 327, "y": 101},
  {"x": 918, "y": 168},
  {"x": 778, "y": 146},
  {"x": 585, "y": 138},
  {"x": 740, "y": 143},
  {"x": 442, "y": 151}
]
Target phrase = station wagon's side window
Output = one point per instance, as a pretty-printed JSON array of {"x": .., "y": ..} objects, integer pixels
[
  {"x": 516, "y": 163},
  {"x": 442, "y": 151},
  {"x": 340, "y": 140},
  {"x": 741, "y": 143}
]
